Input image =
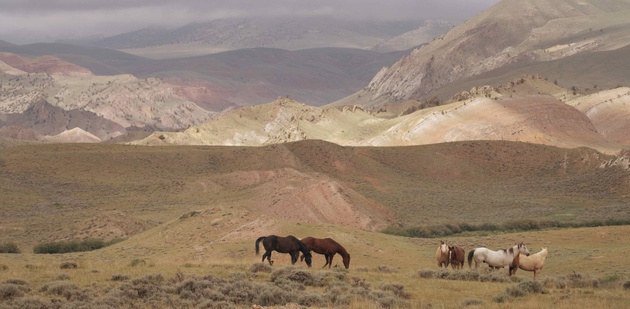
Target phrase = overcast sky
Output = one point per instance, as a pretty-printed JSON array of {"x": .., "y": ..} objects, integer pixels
[{"x": 28, "y": 21}]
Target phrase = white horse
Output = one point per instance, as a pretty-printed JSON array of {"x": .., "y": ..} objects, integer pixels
[
  {"x": 441, "y": 255},
  {"x": 534, "y": 262},
  {"x": 497, "y": 259}
]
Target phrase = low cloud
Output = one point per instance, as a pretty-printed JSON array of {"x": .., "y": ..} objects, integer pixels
[{"x": 48, "y": 20}]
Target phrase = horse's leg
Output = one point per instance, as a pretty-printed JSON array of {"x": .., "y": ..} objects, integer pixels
[
  {"x": 294, "y": 257},
  {"x": 326, "y": 257},
  {"x": 330, "y": 260},
  {"x": 268, "y": 256}
]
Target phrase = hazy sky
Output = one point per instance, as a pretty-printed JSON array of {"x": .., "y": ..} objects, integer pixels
[{"x": 27, "y": 21}]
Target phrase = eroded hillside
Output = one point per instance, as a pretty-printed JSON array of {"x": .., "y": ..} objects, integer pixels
[
  {"x": 512, "y": 112},
  {"x": 117, "y": 191},
  {"x": 108, "y": 105}
]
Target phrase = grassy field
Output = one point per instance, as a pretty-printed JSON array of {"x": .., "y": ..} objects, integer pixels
[
  {"x": 189, "y": 218},
  {"x": 586, "y": 273}
]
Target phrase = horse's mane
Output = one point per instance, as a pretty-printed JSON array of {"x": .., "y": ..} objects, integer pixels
[
  {"x": 305, "y": 250},
  {"x": 342, "y": 251}
]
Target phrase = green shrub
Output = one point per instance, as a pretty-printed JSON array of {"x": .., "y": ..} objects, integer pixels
[
  {"x": 9, "y": 247},
  {"x": 471, "y": 302},
  {"x": 293, "y": 274},
  {"x": 425, "y": 273},
  {"x": 260, "y": 267},
  {"x": 137, "y": 262},
  {"x": 69, "y": 246},
  {"x": 68, "y": 265},
  {"x": 10, "y": 291},
  {"x": 120, "y": 278},
  {"x": 448, "y": 229}
]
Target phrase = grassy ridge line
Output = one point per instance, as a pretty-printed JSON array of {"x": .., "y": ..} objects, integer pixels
[{"x": 512, "y": 226}]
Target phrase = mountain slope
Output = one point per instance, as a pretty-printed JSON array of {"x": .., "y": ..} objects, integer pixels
[{"x": 509, "y": 32}]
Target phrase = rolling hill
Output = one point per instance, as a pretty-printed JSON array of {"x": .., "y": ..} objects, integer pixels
[
  {"x": 313, "y": 182},
  {"x": 509, "y": 113}
]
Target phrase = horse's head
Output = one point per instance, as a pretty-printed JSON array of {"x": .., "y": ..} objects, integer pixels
[
  {"x": 308, "y": 257},
  {"x": 523, "y": 249},
  {"x": 346, "y": 261},
  {"x": 444, "y": 247}
]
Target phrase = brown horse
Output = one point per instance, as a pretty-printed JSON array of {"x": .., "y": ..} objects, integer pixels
[
  {"x": 441, "y": 255},
  {"x": 288, "y": 244},
  {"x": 328, "y": 247},
  {"x": 457, "y": 256}
]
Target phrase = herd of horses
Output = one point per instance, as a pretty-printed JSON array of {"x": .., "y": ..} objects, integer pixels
[
  {"x": 293, "y": 246},
  {"x": 513, "y": 258}
]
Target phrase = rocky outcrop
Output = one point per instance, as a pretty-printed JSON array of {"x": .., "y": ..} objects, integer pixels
[{"x": 512, "y": 31}]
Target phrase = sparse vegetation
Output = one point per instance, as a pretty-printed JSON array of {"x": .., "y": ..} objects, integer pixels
[
  {"x": 69, "y": 246},
  {"x": 512, "y": 226},
  {"x": 68, "y": 265},
  {"x": 285, "y": 285},
  {"x": 471, "y": 183},
  {"x": 9, "y": 247}
]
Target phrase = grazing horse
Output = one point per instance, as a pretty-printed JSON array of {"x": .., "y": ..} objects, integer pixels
[
  {"x": 288, "y": 244},
  {"x": 328, "y": 247},
  {"x": 456, "y": 256},
  {"x": 441, "y": 255},
  {"x": 534, "y": 262},
  {"x": 498, "y": 259}
]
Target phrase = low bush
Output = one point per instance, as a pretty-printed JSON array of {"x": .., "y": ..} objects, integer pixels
[
  {"x": 69, "y": 246},
  {"x": 10, "y": 291},
  {"x": 68, "y": 265},
  {"x": 448, "y": 229},
  {"x": 9, "y": 247},
  {"x": 471, "y": 302}
]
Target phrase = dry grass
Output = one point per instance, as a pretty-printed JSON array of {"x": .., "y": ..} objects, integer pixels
[{"x": 192, "y": 223}]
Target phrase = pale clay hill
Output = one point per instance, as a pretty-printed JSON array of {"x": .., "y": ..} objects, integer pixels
[
  {"x": 559, "y": 119},
  {"x": 123, "y": 99},
  {"x": 512, "y": 31}
]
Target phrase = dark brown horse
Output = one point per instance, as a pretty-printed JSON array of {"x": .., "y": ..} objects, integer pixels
[
  {"x": 328, "y": 247},
  {"x": 288, "y": 244},
  {"x": 457, "y": 256}
]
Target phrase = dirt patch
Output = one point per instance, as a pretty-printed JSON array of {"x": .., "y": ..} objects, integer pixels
[{"x": 288, "y": 194}]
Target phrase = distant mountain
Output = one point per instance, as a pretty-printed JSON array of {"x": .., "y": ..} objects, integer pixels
[
  {"x": 290, "y": 33},
  {"x": 512, "y": 35},
  {"x": 49, "y": 95},
  {"x": 241, "y": 77}
]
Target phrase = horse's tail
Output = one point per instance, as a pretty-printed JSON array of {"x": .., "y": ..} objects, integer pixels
[
  {"x": 470, "y": 257},
  {"x": 258, "y": 240}
]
